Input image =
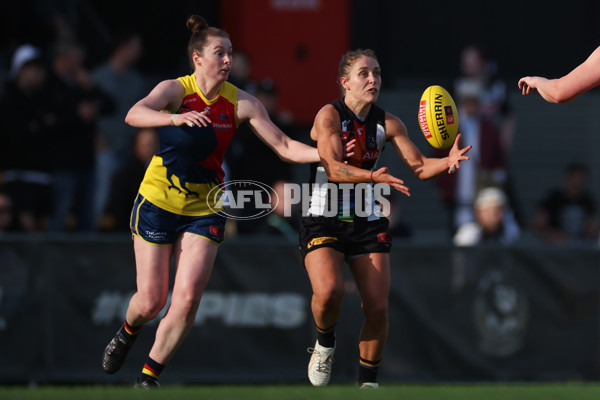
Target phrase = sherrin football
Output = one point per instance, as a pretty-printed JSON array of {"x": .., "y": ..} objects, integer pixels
[{"x": 438, "y": 117}]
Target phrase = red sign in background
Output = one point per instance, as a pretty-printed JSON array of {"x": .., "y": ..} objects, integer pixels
[{"x": 297, "y": 43}]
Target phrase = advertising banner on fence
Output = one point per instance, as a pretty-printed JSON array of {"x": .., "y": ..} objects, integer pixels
[{"x": 455, "y": 314}]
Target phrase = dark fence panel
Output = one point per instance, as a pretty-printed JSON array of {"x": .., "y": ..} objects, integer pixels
[{"x": 455, "y": 314}]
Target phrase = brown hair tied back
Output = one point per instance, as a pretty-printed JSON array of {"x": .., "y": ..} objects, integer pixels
[
  {"x": 201, "y": 31},
  {"x": 196, "y": 23}
]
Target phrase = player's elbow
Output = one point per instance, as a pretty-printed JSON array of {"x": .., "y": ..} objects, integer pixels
[
  {"x": 285, "y": 154},
  {"x": 330, "y": 170},
  {"x": 283, "y": 151},
  {"x": 559, "y": 97},
  {"x": 560, "y": 93},
  {"x": 421, "y": 172},
  {"x": 129, "y": 118},
  {"x": 424, "y": 177},
  {"x": 330, "y": 175},
  {"x": 285, "y": 158},
  {"x": 563, "y": 99}
]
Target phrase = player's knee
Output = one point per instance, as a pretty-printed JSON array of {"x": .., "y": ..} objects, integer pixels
[
  {"x": 150, "y": 309},
  {"x": 330, "y": 297},
  {"x": 376, "y": 310},
  {"x": 186, "y": 304}
]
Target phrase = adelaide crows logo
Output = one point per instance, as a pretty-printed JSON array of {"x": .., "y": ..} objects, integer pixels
[{"x": 182, "y": 150}]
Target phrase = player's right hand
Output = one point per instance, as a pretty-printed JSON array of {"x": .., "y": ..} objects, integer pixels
[{"x": 383, "y": 176}]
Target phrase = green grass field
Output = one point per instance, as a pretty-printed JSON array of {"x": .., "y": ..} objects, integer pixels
[{"x": 553, "y": 391}]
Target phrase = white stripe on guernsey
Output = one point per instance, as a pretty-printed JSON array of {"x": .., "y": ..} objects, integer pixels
[
  {"x": 380, "y": 137},
  {"x": 318, "y": 201}
]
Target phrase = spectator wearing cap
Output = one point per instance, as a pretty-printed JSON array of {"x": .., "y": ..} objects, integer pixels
[
  {"x": 490, "y": 225},
  {"x": 27, "y": 121}
]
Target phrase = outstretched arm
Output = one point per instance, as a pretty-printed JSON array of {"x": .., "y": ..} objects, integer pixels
[
  {"x": 423, "y": 167},
  {"x": 252, "y": 110},
  {"x": 562, "y": 90}
]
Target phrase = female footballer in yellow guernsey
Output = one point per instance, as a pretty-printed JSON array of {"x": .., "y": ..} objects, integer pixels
[
  {"x": 359, "y": 238},
  {"x": 198, "y": 115}
]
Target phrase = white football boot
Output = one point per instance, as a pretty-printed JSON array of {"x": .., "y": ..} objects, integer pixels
[
  {"x": 369, "y": 385},
  {"x": 319, "y": 367}
]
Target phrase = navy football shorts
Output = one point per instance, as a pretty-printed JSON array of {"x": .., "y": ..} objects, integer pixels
[{"x": 157, "y": 226}]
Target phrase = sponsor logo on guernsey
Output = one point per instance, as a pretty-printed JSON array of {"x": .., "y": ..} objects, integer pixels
[
  {"x": 345, "y": 125},
  {"x": 321, "y": 240},
  {"x": 222, "y": 127},
  {"x": 370, "y": 155}
]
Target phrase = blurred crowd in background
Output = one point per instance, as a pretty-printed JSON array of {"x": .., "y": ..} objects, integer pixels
[{"x": 69, "y": 163}]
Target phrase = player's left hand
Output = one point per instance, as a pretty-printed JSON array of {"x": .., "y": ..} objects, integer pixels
[
  {"x": 191, "y": 118},
  {"x": 457, "y": 155},
  {"x": 529, "y": 84}
]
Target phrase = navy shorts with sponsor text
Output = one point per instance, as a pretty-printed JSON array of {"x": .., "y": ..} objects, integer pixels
[
  {"x": 350, "y": 238},
  {"x": 158, "y": 226}
]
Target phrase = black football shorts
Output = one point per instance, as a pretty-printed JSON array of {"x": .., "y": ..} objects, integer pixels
[{"x": 353, "y": 239}]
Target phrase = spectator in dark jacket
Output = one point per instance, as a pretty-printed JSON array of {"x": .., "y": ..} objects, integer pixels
[
  {"x": 568, "y": 214},
  {"x": 78, "y": 103},
  {"x": 27, "y": 122}
]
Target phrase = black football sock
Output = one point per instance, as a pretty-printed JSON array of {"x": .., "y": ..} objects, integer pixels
[
  {"x": 152, "y": 369},
  {"x": 367, "y": 371},
  {"x": 326, "y": 337},
  {"x": 130, "y": 332}
]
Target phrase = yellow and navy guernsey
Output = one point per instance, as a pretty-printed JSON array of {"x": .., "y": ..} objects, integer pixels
[
  {"x": 370, "y": 141},
  {"x": 189, "y": 161}
]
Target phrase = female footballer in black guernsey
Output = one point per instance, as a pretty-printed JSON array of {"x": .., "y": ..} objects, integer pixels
[
  {"x": 172, "y": 215},
  {"x": 359, "y": 238}
]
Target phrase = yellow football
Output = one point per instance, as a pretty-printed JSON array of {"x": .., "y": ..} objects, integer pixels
[{"x": 438, "y": 117}]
